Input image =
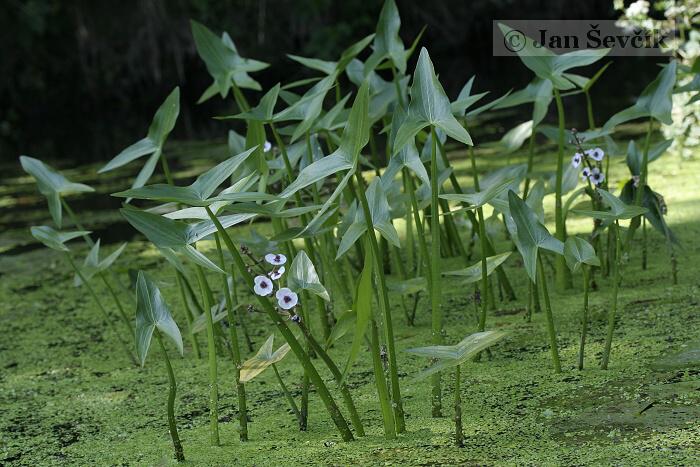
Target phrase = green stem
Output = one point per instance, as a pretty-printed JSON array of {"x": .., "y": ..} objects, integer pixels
[
  {"x": 616, "y": 286},
  {"x": 172, "y": 426},
  {"x": 530, "y": 160},
  {"x": 166, "y": 169},
  {"x": 639, "y": 192},
  {"x": 542, "y": 279},
  {"x": 288, "y": 335},
  {"x": 589, "y": 110},
  {"x": 188, "y": 315},
  {"x": 482, "y": 242},
  {"x": 584, "y": 324},
  {"x": 211, "y": 355},
  {"x": 233, "y": 333},
  {"x": 435, "y": 294},
  {"x": 562, "y": 275},
  {"x": 380, "y": 382},
  {"x": 459, "y": 434},
  {"x": 102, "y": 308},
  {"x": 384, "y": 307},
  {"x": 122, "y": 312},
  {"x": 287, "y": 394}
]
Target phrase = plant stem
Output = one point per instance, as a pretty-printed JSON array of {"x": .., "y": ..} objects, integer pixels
[
  {"x": 188, "y": 315},
  {"x": 102, "y": 308},
  {"x": 122, "y": 312},
  {"x": 287, "y": 394},
  {"x": 384, "y": 307},
  {"x": 338, "y": 376},
  {"x": 584, "y": 324},
  {"x": 639, "y": 192},
  {"x": 542, "y": 279},
  {"x": 562, "y": 275},
  {"x": 288, "y": 335},
  {"x": 435, "y": 295},
  {"x": 233, "y": 332},
  {"x": 482, "y": 242},
  {"x": 616, "y": 286},
  {"x": 530, "y": 160},
  {"x": 380, "y": 382},
  {"x": 459, "y": 434},
  {"x": 589, "y": 110},
  {"x": 172, "y": 426},
  {"x": 211, "y": 356}
]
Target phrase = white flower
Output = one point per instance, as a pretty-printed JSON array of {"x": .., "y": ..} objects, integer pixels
[
  {"x": 596, "y": 176},
  {"x": 635, "y": 180},
  {"x": 576, "y": 160},
  {"x": 276, "y": 259},
  {"x": 263, "y": 286},
  {"x": 585, "y": 173},
  {"x": 596, "y": 154},
  {"x": 286, "y": 299},
  {"x": 275, "y": 275},
  {"x": 267, "y": 146},
  {"x": 637, "y": 9}
]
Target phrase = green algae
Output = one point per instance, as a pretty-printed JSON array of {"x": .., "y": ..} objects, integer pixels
[{"x": 68, "y": 396}]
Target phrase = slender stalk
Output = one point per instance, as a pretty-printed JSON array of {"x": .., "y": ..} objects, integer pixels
[
  {"x": 530, "y": 160},
  {"x": 639, "y": 192},
  {"x": 166, "y": 168},
  {"x": 459, "y": 434},
  {"x": 122, "y": 312},
  {"x": 338, "y": 376},
  {"x": 211, "y": 356},
  {"x": 542, "y": 279},
  {"x": 589, "y": 110},
  {"x": 644, "y": 243},
  {"x": 616, "y": 286},
  {"x": 188, "y": 315},
  {"x": 384, "y": 307},
  {"x": 287, "y": 394},
  {"x": 584, "y": 324},
  {"x": 380, "y": 382},
  {"x": 172, "y": 426},
  {"x": 233, "y": 334},
  {"x": 482, "y": 242},
  {"x": 561, "y": 272},
  {"x": 101, "y": 308},
  {"x": 435, "y": 294},
  {"x": 288, "y": 335}
]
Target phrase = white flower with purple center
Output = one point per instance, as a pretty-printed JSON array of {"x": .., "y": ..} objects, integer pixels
[
  {"x": 596, "y": 176},
  {"x": 576, "y": 160},
  {"x": 263, "y": 286},
  {"x": 277, "y": 273},
  {"x": 585, "y": 173},
  {"x": 267, "y": 146},
  {"x": 286, "y": 299},
  {"x": 276, "y": 259},
  {"x": 596, "y": 154}
]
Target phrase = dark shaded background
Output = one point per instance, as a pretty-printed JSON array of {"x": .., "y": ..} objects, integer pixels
[{"x": 80, "y": 80}]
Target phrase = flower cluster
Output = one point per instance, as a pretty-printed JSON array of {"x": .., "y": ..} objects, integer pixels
[
  {"x": 590, "y": 159},
  {"x": 264, "y": 284}
]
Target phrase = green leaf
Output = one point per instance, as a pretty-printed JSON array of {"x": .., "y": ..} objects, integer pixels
[
  {"x": 452, "y": 355},
  {"x": 52, "y": 184},
  {"x": 577, "y": 251},
  {"x": 345, "y": 322},
  {"x": 618, "y": 209},
  {"x": 656, "y": 101},
  {"x": 263, "y": 359},
  {"x": 387, "y": 42},
  {"x": 324, "y": 66},
  {"x": 655, "y": 213},
  {"x": 223, "y": 62},
  {"x": 53, "y": 238},
  {"x": 549, "y": 66},
  {"x": 473, "y": 273},
  {"x": 92, "y": 264},
  {"x": 635, "y": 155},
  {"x": 263, "y": 112},
  {"x": 539, "y": 92},
  {"x": 303, "y": 276},
  {"x": 308, "y": 108},
  {"x": 200, "y": 191},
  {"x": 161, "y": 126},
  {"x": 532, "y": 235},
  {"x": 429, "y": 106},
  {"x": 152, "y": 313},
  {"x": 362, "y": 307},
  {"x": 407, "y": 286},
  {"x": 480, "y": 198}
]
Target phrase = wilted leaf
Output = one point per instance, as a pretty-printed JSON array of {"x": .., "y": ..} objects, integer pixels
[{"x": 263, "y": 359}]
